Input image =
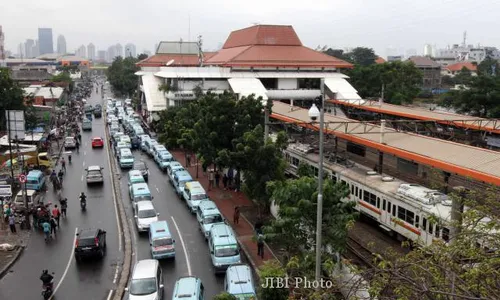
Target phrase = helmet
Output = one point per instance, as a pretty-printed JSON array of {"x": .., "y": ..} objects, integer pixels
[{"x": 45, "y": 271}]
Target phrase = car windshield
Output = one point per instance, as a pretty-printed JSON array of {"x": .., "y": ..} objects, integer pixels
[
  {"x": 162, "y": 242},
  {"x": 198, "y": 197},
  {"x": 227, "y": 250},
  {"x": 213, "y": 219},
  {"x": 166, "y": 158},
  {"x": 85, "y": 242},
  {"x": 127, "y": 156},
  {"x": 148, "y": 213},
  {"x": 142, "y": 286}
]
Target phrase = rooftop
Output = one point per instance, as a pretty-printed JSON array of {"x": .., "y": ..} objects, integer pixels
[
  {"x": 458, "y": 67},
  {"x": 479, "y": 164},
  {"x": 271, "y": 46},
  {"x": 424, "y": 62},
  {"x": 45, "y": 92}
]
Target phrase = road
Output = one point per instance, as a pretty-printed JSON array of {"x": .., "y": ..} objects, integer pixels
[
  {"x": 92, "y": 279},
  {"x": 182, "y": 223}
]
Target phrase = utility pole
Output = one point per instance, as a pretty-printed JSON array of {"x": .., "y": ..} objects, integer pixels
[
  {"x": 266, "y": 121},
  {"x": 319, "y": 214},
  {"x": 10, "y": 146}
]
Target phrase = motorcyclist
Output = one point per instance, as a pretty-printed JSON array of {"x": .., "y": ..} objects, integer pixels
[
  {"x": 69, "y": 158},
  {"x": 46, "y": 278},
  {"x": 83, "y": 199}
]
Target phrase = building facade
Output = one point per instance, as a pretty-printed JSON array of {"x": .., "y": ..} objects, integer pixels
[
  {"x": 431, "y": 72},
  {"x": 91, "y": 51},
  {"x": 29, "y": 46},
  {"x": 61, "y": 45},
  {"x": 119, "y": 50},
  {"x": 45, "y": 40},
  {"x": 101, "y": 55}
]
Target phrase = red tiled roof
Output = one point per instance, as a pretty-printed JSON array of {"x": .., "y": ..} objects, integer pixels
[
  {"x": 458, "y": 66},
  {"x": 271, "y": 46},
  {"x": 380, "y": 60},
  {"x": 180, "y": 60}
]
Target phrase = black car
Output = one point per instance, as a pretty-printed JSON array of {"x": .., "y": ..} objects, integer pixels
[
  {"x": 98, "y": 112},
  {"x": 90, "y": 243},
  {"x": 143, "y": 167}
]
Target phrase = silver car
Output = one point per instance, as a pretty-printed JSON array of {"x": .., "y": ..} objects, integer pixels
[
  {"x": 69, "y": 142},
  {"x": 94, "y": 175}
]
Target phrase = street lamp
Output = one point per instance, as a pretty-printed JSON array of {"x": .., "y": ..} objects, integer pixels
[{"x": 314, "y": 113}]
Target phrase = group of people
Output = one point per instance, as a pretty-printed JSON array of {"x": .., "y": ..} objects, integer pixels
[{"x": 229, "y": 180}]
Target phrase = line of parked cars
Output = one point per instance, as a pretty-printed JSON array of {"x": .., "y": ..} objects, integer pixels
[{"x": 147, "y": 277}]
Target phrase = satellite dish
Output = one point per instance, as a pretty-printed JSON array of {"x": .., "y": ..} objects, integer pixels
[{"x": 169, "y": 62}]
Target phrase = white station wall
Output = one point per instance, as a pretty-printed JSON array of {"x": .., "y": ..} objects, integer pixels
[{"x": 287, "y": 83}]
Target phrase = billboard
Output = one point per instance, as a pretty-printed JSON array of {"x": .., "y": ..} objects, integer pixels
[{"x": 15, "y": 124}]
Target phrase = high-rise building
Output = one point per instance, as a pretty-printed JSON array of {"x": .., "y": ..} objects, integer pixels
[
  {"x": 111, "y": 53},
  {"x": 61, "y": 44},
  {"x": 28, "y": 48},
  {"x": 45, "y": 40},
  {"x": 428, "y": 50},
  {"x": 36, "y": 49},
  {"x": 20, "y": 51},
  {"x": 91, "y": 51},
  {"x": 101, "y": 55},
  {"x": 2, "y": 46},
  {"x": 119, "y": 50},
  {"x": 81, "y": 51},
  {"x": 130, "y": 50}
]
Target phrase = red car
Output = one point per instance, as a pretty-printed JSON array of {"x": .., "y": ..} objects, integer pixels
[{"x": 97, "y": 142}]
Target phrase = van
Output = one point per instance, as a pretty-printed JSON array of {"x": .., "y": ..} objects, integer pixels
[
  {"x": 134, "y": 177},
  {"x": 163, "y": 159},
  {"x": 32, "y": 196},
  {"x": 140, "y": 192},
  {"x": 35, "y": 180},
  {"x": 158, "y": 148},
  {"x": 194, "y": 193},
  {"x": 148, "y": 145},
  {"x": 188, "y": 288},
  {"x": 138, "y": 130},
  {"x": 161, "y": 241},
  {"x": 224, "y": 249},
  {"x": 239, "y": 282},
  {"x": 146, "y": 281},
  {"x": 207, "y": 215},
  {"x": 173, "y": 167},
  {"x": 180, "y": 180},
  {"x": 126, "y": 158}
]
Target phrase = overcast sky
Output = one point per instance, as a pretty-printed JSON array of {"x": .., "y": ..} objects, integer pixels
[{"x": 380, "y": 24}]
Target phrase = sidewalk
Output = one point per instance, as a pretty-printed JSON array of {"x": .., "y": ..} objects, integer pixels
[
  {"x": 226, "y": 201},
  {"x": 19, "y": 239}
]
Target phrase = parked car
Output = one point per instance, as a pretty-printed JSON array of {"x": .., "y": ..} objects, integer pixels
[
  {"x": 90, "y": 243},
  {"x": 143, "y": 168},
  {"x": 87, "y": 125}
]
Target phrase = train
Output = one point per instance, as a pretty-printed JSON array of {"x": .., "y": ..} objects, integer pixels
[{"x": 407, "y": 211}]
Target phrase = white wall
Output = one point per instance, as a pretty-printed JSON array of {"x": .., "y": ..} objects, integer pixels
[
  {"x": 209, "y": 84},
  {"x": 287, "y": 83}
]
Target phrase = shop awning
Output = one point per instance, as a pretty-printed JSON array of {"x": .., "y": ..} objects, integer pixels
[
  {"x": 248, "y": 86},
  {"x": 343, "y": 89}
]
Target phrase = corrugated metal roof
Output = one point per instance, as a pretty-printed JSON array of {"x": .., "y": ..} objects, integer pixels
[
  {"x": 342, "y": 88},
  {"x": 155, "y": 100},
  {"x": 480, "y": 164},
  {"x": 177, "y": 47},
  {"x": 248, "y": 86},
  {"x": 45, "y": 92}
]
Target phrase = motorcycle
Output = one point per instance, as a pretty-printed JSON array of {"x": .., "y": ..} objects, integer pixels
[
  {"x": 83, "y": 204},
  {"x": 47, "y": 290}
]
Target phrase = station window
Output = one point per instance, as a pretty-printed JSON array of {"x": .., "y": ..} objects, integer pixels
[
  {"x": 378, "y": 202},
  {"x": 356, "y": 192},
  {"x": 334, "y": 178},
  {"x": 295, "y": 162},
  {"x": 389, "y": 206},
  {"x": 352, "y": 189},
  {"x": 356, "y": 149},
  {"x": 370, "y": 198},
  {"x": 431, "y": 227},
  {"x": 436, "y": 233}
]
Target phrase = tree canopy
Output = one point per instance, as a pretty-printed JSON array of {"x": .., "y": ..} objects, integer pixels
[
  {"x": 11, "y": 95},
  {"x": 142, "y": 56},
  {"x": 359, "y": 56},
  {"x": 121, "y": 76}
]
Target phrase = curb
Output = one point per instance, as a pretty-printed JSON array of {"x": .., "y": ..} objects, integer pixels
[
  {"x": 127, "y": 242},
  {"x": 6, "y": 268},
  {"x": 249, "y": 257}
]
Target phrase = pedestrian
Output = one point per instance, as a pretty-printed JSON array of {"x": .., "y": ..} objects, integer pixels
[
  {"x": 63, "y": 164},
  {"x": 258, "y": 226},
  {"x": 260, "y": 245},
  {"x": 7, "y": 212},
  {"x": 46, "y": 230},
  {"x": 64, "y": 206},
  {"x": 53, "y": 224},
  {"x": 217, "y": 178},
  {"x": 211, "y": 179},
  {"x": 12, "y": 223},
  {"x": 188, "y": 160},
  {"x": 56, "y": 213},
  {"x": 237, "y": 182},
  {"x": 236, "y": 215},
  {"x": 79, "y": 136},
  {"x": 224, "y": 181}
]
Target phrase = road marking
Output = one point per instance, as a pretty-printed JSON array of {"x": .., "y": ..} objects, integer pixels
[
  {"x": 67, "y": 266},
  {"x": 110, "y": 294},
  {"x": 83, "y": 164},
  {"x": 183, "y": 246},
  {"x": 84, "y": 152},
  {"x": 120, "y": 233},
  {"x": 158, "y": 190},
  {"x": 81, "y": 178},
  {"x": 116, "y": 274}
]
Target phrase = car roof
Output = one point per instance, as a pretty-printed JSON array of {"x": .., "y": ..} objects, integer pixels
[
  {"x": 94, "y": 168},
  {"x": 239, "y": 277},
  {"x": 175, "y": 164},
  {"x": 194, "y": 185},
  {"x": 143, "y": 205},
  {"x": 223, "y": 234},
  {"x": 34, "y": 173},
  {"x": 145, "y": 268},
  {"x": 97, "y": 137},
  {"x": 186, "y": 287},
  {"x": 140, "y": 186},
  {"x": 133, "y": 173},
  {"x": 159, "y": 228},
  {"x": 207, "y": 204},
  {"x": 87, "y": 233},
  {"x": 70, "y": 137},
  {"x": 28, "y": 192},
  {"x": 125, "y": 151},
  {"x": 182, "y": 174}
]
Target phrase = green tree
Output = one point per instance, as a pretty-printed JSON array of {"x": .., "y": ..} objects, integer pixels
[
  {"x": 488, "y": 66},
  {"x": 460, "y": 269},
  {"x": 296, "y": 225},
  {"x": 337, "y": 53},
  {"x": 121, "y": 76},
  {"x": 481, "y": 98},
  {"x": 361, "y": 56},
  {"x": 11, "y": 96},
  {"x": 269, "y": 272},
  {"x": 225, "y": 296},
  {"x": 62, "y": 77},
  {"x": 142, "y": 56},
  {"x": 463, "y": 77}
]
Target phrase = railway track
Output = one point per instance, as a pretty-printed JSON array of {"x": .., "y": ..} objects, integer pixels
[{"x": 359, "y": 254}]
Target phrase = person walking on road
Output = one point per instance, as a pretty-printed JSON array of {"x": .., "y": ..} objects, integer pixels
[
  {"x": 236, "y": 215},
  {"x": 53, "y": 225},
  {"x": 56, "y": 213},
  {"x": 12, "y": 223},
  {"x": 211, "y": 179},
  {"x": 64, "y": 206},
  {"x": 63, "y": 164},
  {"x": 260, "y": 245},
  {"x": 46, "y": 230}
]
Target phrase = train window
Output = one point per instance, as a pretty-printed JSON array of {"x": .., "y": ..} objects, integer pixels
[
  {"x": 406, "y": 215},
  {"x": 352, "y": 189},
  {"x": 417, "y": 221},
  {"x": 356, "y": 192},
  {"x": 431, "y": 227},
  {"x": 343, "y": 182},
  {"x": 316, "y": 172},
  {"x": 424, "y": 223},
  {"x": 446, "y": 234},
  {"x": 295, "y": 162},
  {"x": 436, "y": 232},
  {"x": 378, "y": 202},
  {"x": 370, "y": 198},
  {"x": 394, "y": 210},
  {"x": 383, "y": 204},
  {"x": 389, "y": 206}
]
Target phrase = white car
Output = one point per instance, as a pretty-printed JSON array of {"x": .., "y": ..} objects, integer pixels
[
  {"x": 112, "y": 119},
  {"x": 69, "y": 142},
  {"x": 145, "y": 214}
]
